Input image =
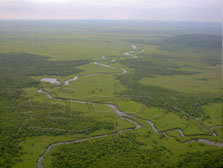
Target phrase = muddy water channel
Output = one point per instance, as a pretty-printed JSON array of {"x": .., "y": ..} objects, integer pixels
[{"x": 122, "y": 115}]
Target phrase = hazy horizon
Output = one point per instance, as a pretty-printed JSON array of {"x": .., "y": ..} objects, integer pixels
[
  {"x": 149, "y": 10},
  {"x": 123, "y": 20}
]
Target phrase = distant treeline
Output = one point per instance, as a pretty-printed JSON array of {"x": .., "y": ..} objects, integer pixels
[{"x": 207, "y": 41}]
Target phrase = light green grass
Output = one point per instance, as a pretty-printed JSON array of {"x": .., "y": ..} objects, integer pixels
[
  {"x": 89, "y": 46},
  {"x": 203, "y": 82},
  {"x": 86, "y": 87}
]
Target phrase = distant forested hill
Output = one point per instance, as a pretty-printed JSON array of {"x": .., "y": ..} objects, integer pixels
[
  {"x": 207, "y": 46},
  {"x": 207, "y": 41}
]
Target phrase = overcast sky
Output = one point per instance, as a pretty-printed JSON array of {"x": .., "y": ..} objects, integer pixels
[{"x": 182, "y": 10}]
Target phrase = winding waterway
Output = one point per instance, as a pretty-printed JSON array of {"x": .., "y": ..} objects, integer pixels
[{"x": 123, "y": 116}]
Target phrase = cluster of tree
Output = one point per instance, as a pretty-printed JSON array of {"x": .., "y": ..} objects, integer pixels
[
  {"x": 9, "y": 126},
  {"x": 113, "y": 151},
  {"x": 9, "y": 147},
  {"x": 15, "y": 68},
  {"x": 210, "y": 158}
]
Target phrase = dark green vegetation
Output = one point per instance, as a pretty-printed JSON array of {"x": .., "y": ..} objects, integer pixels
[
  {"x": 174, "y": 82},
  {"x": 15, "y": 68},
  {"x": 126, "y": 151},
  {"x": 115, "y": 151},
  {"x": 212, "y": 158}
]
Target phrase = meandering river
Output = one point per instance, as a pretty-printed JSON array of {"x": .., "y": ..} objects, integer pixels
[{"x": 122, "y": 115}]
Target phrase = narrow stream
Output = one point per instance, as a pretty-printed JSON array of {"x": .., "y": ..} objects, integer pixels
[{"x": 123, "y": 116}]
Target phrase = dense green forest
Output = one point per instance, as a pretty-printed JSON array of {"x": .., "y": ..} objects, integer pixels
[
  {"x": 126, "y": 151},
  {"x": 123, "y": 151},
  {"x": 212, "y": 158}
]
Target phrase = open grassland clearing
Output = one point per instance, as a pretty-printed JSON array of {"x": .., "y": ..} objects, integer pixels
[
  {"x": 86, "y": 87},
  {"x": 208, "y": 81}
]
